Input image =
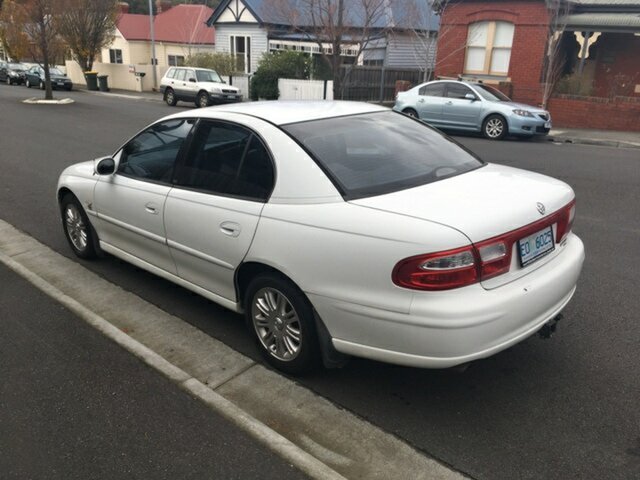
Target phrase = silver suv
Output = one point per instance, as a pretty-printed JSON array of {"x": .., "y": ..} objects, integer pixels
[{"x": 199, "y": 85}]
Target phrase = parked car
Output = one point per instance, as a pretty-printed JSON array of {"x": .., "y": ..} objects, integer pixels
[
  {"x": 335, "y": 227},
  {"x": 35, "y": 78},
  {"x": 472, "y": 106},
  {"x": 200, "y": 85},
  {"x": 12, "y": 73}
]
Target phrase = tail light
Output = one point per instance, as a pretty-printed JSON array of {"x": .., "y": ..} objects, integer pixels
[{"x": 464, "y": 266}]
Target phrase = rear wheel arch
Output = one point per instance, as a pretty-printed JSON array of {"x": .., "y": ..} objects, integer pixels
[{"x": 248, "y": 271}]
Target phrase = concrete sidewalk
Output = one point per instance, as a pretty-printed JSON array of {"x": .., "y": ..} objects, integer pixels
[{"x": 607, "y": 138}]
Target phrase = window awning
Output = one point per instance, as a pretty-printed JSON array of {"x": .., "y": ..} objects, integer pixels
[{"x": 603, "y": 22}]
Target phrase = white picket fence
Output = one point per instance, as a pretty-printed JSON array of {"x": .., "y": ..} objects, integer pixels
[{"x": 304, "y": 89}]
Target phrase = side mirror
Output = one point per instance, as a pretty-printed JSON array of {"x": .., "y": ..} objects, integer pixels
[
  {"x": 106, "y": 166},
  {"x": 471, "y": 96},
  {"x": 192, "y": 80}
]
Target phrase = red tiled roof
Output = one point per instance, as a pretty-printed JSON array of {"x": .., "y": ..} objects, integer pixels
[{"x": 180, "y": 24}]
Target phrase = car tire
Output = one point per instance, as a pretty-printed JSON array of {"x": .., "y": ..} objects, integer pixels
[
  {"x": 27, "y": 83},
  {"x": 282, "y": 321},
  {"x": 410, "y": 112},
  {"x": 77, "y": 228},
  {"x": 9, "y": 82},
  {"x": 170, "y": 97},
  {"x": 203, "y": 100},
  {"x": 41, "y": 85},
  {"x": 495, "y": 127}
]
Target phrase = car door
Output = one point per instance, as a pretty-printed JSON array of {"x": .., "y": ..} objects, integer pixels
[
  {"x": 131, "y": 203},
  {"x": 460, "y": 111},
  {"x": 180, "y": 84},
  {"x": 213, "y": 210},
  {"x": 191, "y": 84},
  {"x": 430, "y": 102}
]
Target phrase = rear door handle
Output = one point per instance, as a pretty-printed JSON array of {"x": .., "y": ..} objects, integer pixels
[
  {"x": 151, "y": 208},
  {"x": 421, "y": 100},
  {"x": 449, "y": 103},
  {"x": 231, "y": 229}
]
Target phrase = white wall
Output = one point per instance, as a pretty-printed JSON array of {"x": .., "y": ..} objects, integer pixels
[
  {"x": 259, "y": 43},
  {"x": 119, "y": 75},
  {"x": 304, "y": 89}
]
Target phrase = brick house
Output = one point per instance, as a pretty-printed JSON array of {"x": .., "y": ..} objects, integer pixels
[{"x": 580, "y": 58}]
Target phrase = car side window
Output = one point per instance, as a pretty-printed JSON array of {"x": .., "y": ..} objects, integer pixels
[
  {"x": 227, "y": 159},
  {"x": 455, "y": 90},
  {"x": 171, "y": 73},
  {"x": 152, "y": 154},
  {"x": 180, "y": 74},
  {"x": 433, "y": 90},
  {"x": 191, "y": 74}
]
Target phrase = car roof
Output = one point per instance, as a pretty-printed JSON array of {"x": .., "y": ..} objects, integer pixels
[{"x": 283, "y": 112}]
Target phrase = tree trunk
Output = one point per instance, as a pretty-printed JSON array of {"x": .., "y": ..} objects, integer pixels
[{"x": 48, "y": 95}]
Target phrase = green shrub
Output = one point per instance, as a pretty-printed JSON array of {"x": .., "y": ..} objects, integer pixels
[
  {"x": 574, "y": 84},
  {"x": 275, "y": 65},
  {"x": 223, "y": 63}
]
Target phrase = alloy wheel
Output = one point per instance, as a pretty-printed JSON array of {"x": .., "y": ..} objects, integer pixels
[
  {"x": 494, "y": 128},
  {"x": 76, "y": 227},
  {"x": 277, "y": 324}
]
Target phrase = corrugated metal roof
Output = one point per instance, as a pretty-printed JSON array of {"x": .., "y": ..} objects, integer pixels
[
  {"x": 402, "y": 14},
  {"x": 603, "y": 3},
  {"x": 613, "y": 21}
]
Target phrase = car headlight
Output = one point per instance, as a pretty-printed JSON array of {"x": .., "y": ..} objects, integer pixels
[
  {"x": 13, "y": 74},
  {"x": 523, "y": 113},
  {"x": 215, "y": 90}
]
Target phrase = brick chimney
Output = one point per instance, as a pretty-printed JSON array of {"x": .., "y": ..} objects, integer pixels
[
  {"x": 123, "y": 7},
  {"x": 162, "y": 6}
]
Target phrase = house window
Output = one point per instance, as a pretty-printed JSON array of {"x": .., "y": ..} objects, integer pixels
[
  {"x": 115, "y": 55},
  {"x": 176, "y": 60},
  {"x": 240, "y": 47},
  {"x": 489, "y": 48}
]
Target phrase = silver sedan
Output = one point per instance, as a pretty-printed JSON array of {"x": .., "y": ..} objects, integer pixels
[{"x": 474, "y": 107}]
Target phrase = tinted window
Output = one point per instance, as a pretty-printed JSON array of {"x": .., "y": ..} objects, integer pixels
[
  {"x": 378, "y": 153},
  {"x": 208, "y": 76},
  {"x": 456, "y": 90},
  {"x": 433, "y": 90},
  {"x": 228, "y": 160},
  {"x": 152, "y": 154},
  {"x": 492, "y": 94}
]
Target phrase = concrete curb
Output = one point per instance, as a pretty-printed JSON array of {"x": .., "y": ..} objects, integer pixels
[
  {"x": 42, "y": 101},
  {"x": 591, "y": 141}
]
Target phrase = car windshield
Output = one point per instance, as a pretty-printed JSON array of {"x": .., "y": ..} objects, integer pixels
[
  {"x": 490, "y": 93},
  {"x": 208, "y": 76},
  {"x": 16, "y": 66},
  {"x": 378, "y": 153},
  {"x": 55, "y": 71}
]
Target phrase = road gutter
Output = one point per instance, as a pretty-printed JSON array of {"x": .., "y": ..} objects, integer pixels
[{"x": 321, "y": 439}]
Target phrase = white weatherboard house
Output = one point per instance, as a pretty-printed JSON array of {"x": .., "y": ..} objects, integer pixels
[{"x": 251, "y": 28}]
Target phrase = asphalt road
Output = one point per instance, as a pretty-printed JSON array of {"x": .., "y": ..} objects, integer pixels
[
  {"x": 74, "y": 405},
  {"x": 555, "y": 409}
]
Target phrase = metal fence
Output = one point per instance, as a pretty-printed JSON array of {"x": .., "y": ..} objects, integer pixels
[{"x": 376, "y": 84}]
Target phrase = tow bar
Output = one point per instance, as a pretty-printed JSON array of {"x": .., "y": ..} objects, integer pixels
[{"x": 549, "y": 328}]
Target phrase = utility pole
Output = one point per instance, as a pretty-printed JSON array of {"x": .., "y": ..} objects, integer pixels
[{"x": 154, "y": 61}]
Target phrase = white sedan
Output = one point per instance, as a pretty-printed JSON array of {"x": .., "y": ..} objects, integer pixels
[{"x": 336, "y": 228}]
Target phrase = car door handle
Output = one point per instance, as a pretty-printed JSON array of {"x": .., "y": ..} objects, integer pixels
[
  {"x": 151, "y": 208},
  {"x": 421, "y": 100},
  {"x": 449, "y": 103},
  {"x": 231, "y": 229}
]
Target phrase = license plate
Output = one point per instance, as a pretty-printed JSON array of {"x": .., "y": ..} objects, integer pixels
[
  {"x": 231, "y": 96},
  {"x": 60, "y": 84},
  {"x": 536, "y": 246},
  {"x": 547, "y": 125}
]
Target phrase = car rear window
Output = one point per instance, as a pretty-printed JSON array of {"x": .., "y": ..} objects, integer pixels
[{"x": 378, "y": 153}]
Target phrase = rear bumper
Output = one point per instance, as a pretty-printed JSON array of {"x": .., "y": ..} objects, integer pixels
[{"x": 444, "y": 329}]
